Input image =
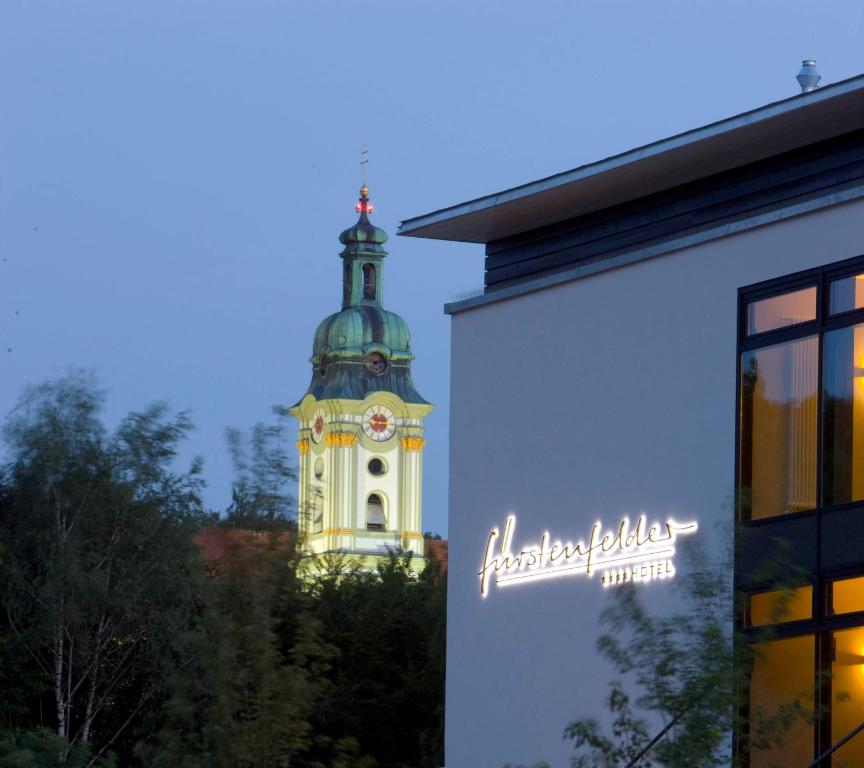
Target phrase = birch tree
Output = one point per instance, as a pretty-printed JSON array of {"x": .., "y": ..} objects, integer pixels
[{"x": 98, "y": 571}]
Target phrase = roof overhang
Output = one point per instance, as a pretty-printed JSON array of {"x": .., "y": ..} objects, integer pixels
[{"x": 785, "y": 125}]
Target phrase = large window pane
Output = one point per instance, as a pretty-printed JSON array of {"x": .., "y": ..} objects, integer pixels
[
  {"x": 847, "y": 294},
  {"x": 843, "y": 408},
  {"x": 847, "y": 595},
  {"x": 780, "y": 311},
  {"x": 780, "y": 606},
  {"x": 783, "y": 674},
  {"x": 847, "y": 696},
  {"x": 777, "y": 469}
]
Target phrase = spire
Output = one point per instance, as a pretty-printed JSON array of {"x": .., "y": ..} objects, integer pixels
[{"x": 363, "y": 254}]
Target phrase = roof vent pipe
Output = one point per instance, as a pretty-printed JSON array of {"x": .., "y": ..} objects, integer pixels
[{"x": 809, "y": 77}]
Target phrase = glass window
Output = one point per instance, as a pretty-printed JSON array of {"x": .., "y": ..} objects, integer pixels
[
  {"x": 780, "y": 606},
  {"x": 847, "y": 595},
  {"x": 801, "y": 448},
  {"x": 843, "y": 413},
  {"x": 847, "y": 294},
  {"x": 777, "y": 471},
  {"x": 782, "y": 677},
  {"x": 847, "y": 695},
  {"x": 780, "y": 311}
]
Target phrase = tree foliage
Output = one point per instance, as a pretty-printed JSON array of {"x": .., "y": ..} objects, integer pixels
[
  {"x": 338, "y": 670},
  {"x": 242, "y": 701},
  {"x": 260, "y": 495},
  {"x": 120, "y": 645},
  {"x": 97, "y": 540},
  {"x": 388, "y": 628}
]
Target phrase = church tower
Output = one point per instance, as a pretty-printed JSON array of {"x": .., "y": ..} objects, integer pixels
[{"x": 361, "y": 420}]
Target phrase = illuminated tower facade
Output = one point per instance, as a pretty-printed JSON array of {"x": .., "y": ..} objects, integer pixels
[{"x": 360, "y": 440}]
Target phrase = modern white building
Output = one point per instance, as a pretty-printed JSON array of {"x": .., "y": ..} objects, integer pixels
[{"x": 674, "y": 333}]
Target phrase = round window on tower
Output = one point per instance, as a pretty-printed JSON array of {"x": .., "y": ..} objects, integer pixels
[
  {"x": 319, "y": 468},
  {"x": 376, "y": 363},
  {"x": 377, "y": 467}
]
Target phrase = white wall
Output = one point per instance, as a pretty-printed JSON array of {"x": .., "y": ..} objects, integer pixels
[{"x": 610, "y": 395}]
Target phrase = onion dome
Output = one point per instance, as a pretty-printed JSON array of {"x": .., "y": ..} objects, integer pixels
[{"x": 364, "y": 237}]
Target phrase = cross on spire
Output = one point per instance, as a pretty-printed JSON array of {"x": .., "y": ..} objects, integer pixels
[{"x": 364, "y": 207}]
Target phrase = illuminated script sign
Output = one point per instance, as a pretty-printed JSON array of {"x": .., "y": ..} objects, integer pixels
[{"x": 620, "y": 555}]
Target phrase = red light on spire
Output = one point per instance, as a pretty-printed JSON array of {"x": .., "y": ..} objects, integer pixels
[{"x": 364, "y": 206}]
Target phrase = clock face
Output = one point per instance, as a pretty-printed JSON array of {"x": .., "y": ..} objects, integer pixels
[
  {"x": 379, "y": 423},
  {"x": 318, "y": 425}
]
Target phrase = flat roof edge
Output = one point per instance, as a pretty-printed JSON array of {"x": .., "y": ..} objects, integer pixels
[
  {"x": 649, "y": 252},
  {"x": 413, "y": 227}
]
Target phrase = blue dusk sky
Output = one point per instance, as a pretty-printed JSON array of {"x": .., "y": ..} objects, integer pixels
[{"x": 174, "y": 175}]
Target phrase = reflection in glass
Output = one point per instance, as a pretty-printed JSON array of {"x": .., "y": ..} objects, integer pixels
[
  {"x": 777, "y": 470},
  {"x": 783, "y": 673},
  {"x": 843, "y": 412},
  {"x": 780, "y": 311},
  {"x": 780, "y": 606},
  {"x": 847, "y": 595},
  {"x": 847, "y": 695},
  {"x": 847, "y": 294}
]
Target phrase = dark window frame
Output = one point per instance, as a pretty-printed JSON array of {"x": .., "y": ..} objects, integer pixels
[
  {"x": 823, "y": 623},
  {"x": 821, "y": 277}
]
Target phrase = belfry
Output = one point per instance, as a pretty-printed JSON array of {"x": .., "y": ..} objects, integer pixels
[{"x": 360, "y": 440}]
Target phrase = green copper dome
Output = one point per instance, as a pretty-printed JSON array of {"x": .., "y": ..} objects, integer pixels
[
  {"x": 353, "y": 329},
  {"x": 364, "y": 348}
]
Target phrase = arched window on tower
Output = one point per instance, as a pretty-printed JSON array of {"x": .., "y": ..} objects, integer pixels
[
  {"x": 369, "y": 287},
  {"x": 375, "y": 520}
]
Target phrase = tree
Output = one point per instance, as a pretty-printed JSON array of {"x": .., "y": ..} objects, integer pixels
[
  {"x": 39, "y": 748},
  {"x": 260, "y": 665},
  {"x": 116, "y": 634},
  {"x": 244, "y": 701},
  {"x": 341, "y": 670},
  {"x": 260, "y": 497},
  {"x": 99, "y": 572},
  {"x": 389, "y": 628}
]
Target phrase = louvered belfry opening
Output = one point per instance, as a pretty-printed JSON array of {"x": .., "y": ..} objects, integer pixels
[
  {"x": 369, "y": 281},
  {"x": 375, "y": 519}
]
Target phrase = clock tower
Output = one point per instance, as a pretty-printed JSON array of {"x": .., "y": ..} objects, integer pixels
[{"x": 360, "y": 440}]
